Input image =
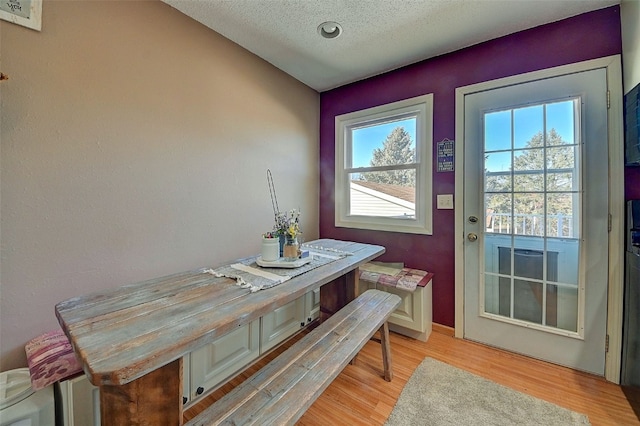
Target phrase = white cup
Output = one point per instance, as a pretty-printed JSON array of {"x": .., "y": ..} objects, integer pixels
[{"x": 270, "y": 249}]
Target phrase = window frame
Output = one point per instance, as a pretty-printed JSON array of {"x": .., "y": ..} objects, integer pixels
[{"x": 420, "y": 107}]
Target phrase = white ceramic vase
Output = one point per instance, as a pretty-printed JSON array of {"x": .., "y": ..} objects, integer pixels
[{"x": 270, "y": 249}]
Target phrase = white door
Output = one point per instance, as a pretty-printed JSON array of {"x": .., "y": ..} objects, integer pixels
[{"x": 536, "y": 218}]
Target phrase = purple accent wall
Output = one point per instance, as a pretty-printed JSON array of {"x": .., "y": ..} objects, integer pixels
[
  {"x": 632, "y": 183},
  {"x": 583, "y": 37}
]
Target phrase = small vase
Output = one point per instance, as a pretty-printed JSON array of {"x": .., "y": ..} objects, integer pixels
[
  {"x": 270, "y": 249},
  {"x": 282, "y": 240},
  {"x": 290, "y": 249}
]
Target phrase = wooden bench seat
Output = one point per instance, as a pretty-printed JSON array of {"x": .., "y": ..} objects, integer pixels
[{"x": 286, "y": 387}]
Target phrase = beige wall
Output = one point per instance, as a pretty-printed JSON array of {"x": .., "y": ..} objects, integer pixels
[
  {"x": 135, "y": 144},
  {"x": 630, "y": 21}
]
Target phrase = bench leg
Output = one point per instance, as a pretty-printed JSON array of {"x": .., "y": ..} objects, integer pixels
[{"x": 386, "y": 351}]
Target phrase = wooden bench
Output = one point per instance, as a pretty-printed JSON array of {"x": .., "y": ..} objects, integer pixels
[{"x": 285, "y": 388}]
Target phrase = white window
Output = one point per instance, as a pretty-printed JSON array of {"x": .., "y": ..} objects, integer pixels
[{"x": 383, "y": 167}]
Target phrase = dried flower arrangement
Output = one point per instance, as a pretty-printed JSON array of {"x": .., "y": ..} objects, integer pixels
[{"x": 288, "y": 223}]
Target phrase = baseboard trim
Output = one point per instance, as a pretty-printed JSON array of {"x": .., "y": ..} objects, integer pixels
[
  {"x": 443, "y": 329},
  {"x": 423, "y": 337}
]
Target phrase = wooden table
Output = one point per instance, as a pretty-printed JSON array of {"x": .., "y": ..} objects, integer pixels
[{"x": 131, "y": 340}]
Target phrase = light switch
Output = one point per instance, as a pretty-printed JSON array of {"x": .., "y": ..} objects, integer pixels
[{"x": 445, "y": 201}]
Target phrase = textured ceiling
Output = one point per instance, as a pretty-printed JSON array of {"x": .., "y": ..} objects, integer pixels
[{"x": 378, "y": 35}]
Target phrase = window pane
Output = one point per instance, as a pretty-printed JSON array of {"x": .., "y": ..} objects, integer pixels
[
  {"x": 560, "y": 217},
  {"x": 561, "y": 169},
  {"x": 492, "y": 294},
  {"x": 371, "y": 195},
  {"x": 561, "y": 181},
  {"x": 385, "y": 144},
  {"x": 567, "y": 258},
  {"x": 527, "y": 301},
  {"x": 528, "y": 166},
  {"x": 492, "y": 241},
  {"x": 560, "y": 123},
  {"x": 528, "y": 126},
  {"x": 528, "y": 216},
  {"x": 562, "y": 307},
  {"x": 497, "y": 166},
  {"x": 497, "y": 131},
  {"x": 529, "y": 262},
  {"x": 498, "y": 213}
]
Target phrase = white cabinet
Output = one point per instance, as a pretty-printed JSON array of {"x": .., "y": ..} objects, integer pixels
[
  {"x": 287, "y": 320},
  {"x": 186, "y": 380},
  {"x": 312, "y": 305},
  {"x": 413, "y": 317},
  {"x": 220, "y": 360},
  {"x": 78, "y": 402}
]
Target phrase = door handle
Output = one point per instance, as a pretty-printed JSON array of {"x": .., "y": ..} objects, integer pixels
[{"x": 472, "y": 237}]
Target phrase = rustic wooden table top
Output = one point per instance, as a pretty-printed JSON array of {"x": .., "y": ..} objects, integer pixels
[{"x": 127, "y": 332}]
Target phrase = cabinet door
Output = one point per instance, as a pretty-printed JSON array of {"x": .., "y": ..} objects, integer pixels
[
  {"x": 365, "y": 285},
  {"x": 409, "y": 313},
  {"x": 218, "y": 361},
  {"x": 79, "y": 402},
  {"x": 414, "y": 315},
  {"x": 282, "y": 323},
  {"x": 186, "y": 379},
  {"x": 312, "y": 305}
]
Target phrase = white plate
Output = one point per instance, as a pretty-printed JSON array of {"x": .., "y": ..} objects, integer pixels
[{"x": 281, "y": 263}]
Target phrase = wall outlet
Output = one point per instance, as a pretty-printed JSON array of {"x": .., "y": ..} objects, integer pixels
[{"x": 445, "y": 201}]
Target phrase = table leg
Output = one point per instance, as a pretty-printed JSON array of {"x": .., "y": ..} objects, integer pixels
[
  {"x": 337, "y": 293},
  {"x": 153, "y": 399}
]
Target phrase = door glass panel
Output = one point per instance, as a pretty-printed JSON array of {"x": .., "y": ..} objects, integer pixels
[
  {"x": 528, "y": 126},
  {"x": 505, "y": 303},
  {"x": 528, "y": 170},
  {"x": 560, "y": 180},
  {"x": 532, "y": 193},
  {"x": 562, "y": 307},
  {"x": 528, "y": 214},
  {"x": 555, "y": 119},
  {"x": 492, "y": 294},
  {"x": 568, "y": 257},
  {"x": 497, "y": 166},
  {"x": 560, "y": 218},
  {"x": 497, "y": 135},
  {"x": 528, "y": 301},
  {"x": 498, "y": 213}
]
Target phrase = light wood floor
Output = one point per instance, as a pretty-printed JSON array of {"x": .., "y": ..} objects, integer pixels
[{"x": 360, "y": 396}]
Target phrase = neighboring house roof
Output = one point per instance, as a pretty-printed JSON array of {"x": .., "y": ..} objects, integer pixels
[
  {"x": 406, "y": 193},
  {"x": 379, "y": 200}
]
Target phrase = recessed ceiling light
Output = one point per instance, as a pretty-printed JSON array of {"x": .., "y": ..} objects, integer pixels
[{"x": 329, "y": 29}]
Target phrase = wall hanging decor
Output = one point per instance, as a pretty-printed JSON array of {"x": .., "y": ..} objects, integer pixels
[{"x": 27, "y": 13}]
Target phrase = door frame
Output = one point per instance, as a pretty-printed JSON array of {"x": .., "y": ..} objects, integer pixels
[{"x": 615, "y": 291}]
